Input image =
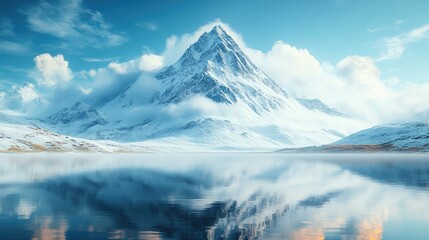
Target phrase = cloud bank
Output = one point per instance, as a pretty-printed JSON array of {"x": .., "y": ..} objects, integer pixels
[{"x": 353, "y": 85}]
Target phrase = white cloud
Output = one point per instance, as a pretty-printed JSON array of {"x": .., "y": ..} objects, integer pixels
[
  {"x": 353, "y": 85},
  {"x": 147, "y": 62},
  {"x": 6, "y": 27},
  {"x": 51, "y": 71},
  {"x": 28, "y": 93},
  {"x": 398, "y": 22},
  {"x": 290, "y": 66},
  {"x": 395, "y": 46},
  {"x": 2, "y": 100},
  {"x": 362, "y": 73},
  {"x": 103, "y": 83},
  {"x": 364, "y": 94},
  {"x": 151, "y": 62},
  {"x": 13, "y": 47},
  {"x": 122, "y": 68},
  {"x": 151, "y": 26},
  {"x": 71, "y": 21},
  {"x": 396, "y": 25},
  {"x": 143, "y": 89},
  {"x": 373, "y": 30},
  {"x": 98, "y": 60}
]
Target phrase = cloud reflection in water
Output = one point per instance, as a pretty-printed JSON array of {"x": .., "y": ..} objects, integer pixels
[{"x": 216, "y": 196}]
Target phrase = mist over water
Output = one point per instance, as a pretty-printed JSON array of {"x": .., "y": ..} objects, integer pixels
[{"x": 214, "y": 196}]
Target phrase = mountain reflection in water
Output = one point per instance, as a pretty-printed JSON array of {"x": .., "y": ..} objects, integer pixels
[{"x": 214, "y": 196}]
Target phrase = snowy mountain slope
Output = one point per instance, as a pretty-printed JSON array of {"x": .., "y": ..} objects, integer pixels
[
  {"x": 108, "y": 93},
  {"x": 8, "y": 116},
  {"x": 78, "y": 118},
  {"x": 221, "y": 134},
  {"x": 412, "y": 137},
  {"x": 316, "y": 104},
  {"x": 207, "y": 133},
  {"x": 402, "y": 136}
]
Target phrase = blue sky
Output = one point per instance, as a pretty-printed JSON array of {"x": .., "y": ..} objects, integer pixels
[{"x": 330, "y": 30}]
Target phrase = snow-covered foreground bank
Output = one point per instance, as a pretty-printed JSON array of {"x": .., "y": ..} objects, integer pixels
[
  {"x": 407, "y": 137},
  {"x": 17, "y": 138},
  {"x": 24, "y": 138}
]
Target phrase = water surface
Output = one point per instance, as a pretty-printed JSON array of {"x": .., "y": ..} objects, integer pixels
[{"x": 214, "y": 196}]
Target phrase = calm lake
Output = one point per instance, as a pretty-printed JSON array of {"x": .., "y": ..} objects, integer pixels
[{"x": 214, "y": 196}]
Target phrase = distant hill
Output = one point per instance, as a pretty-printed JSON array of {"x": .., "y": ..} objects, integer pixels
[{"x": 404, "y": 137}]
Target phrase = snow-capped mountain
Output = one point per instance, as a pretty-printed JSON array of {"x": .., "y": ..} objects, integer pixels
[
  {"x": 251, "y": 109},
  {"x": 214, "y": 97},
  {"x": 216, "y": 68}
]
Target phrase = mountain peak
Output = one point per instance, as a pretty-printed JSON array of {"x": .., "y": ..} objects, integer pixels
[
  {"x": 215, "y": 47},
  {"x": 218, "y": 30},
  {"x": 210, "y": 45},
  {"x": 215, "y": 66}
]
